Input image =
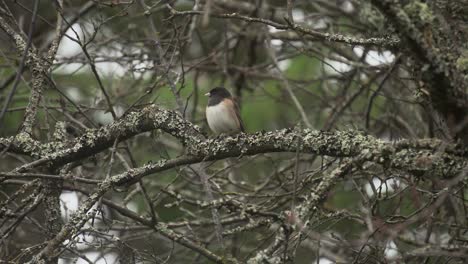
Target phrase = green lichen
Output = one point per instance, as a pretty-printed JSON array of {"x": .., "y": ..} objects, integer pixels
[
  {"x": 462, "y": 63},
  {"x": 28, "y": 145},
  {"x": 419, "y": 12}
]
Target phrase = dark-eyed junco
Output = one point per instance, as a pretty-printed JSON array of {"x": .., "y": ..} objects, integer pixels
[{"x": 222, "y": 112}]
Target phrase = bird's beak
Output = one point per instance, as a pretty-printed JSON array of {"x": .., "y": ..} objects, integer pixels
[{"x": 207, "y": 94}]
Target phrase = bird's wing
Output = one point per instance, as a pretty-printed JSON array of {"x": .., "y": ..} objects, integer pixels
[
  {"x": 234, "y": 107},
  {"x": 241, "y": 123}
]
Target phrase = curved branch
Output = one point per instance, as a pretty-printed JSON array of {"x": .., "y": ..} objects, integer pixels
[{"x": 416, "y": 156}]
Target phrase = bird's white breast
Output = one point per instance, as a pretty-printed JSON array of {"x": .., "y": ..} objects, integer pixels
[{"x": 221, "y": 120}]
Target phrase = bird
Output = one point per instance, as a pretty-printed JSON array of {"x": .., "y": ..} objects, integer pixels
[{"x": 222, "y": 112}]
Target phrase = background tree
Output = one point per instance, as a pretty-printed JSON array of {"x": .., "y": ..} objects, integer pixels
[{"x": 355, "y": 151}]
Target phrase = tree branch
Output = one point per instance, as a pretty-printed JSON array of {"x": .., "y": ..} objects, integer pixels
[{"x": 336, "y": 144}]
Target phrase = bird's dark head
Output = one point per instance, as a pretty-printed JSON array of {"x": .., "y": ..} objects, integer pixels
[{"x": 219, "y": 92}]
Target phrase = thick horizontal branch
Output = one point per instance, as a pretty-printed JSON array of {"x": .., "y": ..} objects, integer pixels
[
  {"x": 417, "y": 156},
  {"x": 93, "y": 141}
]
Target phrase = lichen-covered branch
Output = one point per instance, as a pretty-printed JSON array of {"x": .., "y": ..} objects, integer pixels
[
  {"x": 96, "y": 140},
  {"x": 428, "y": 39},
  {"x": 337, "y": 144},
  {"x": 38, "y": 66}
]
